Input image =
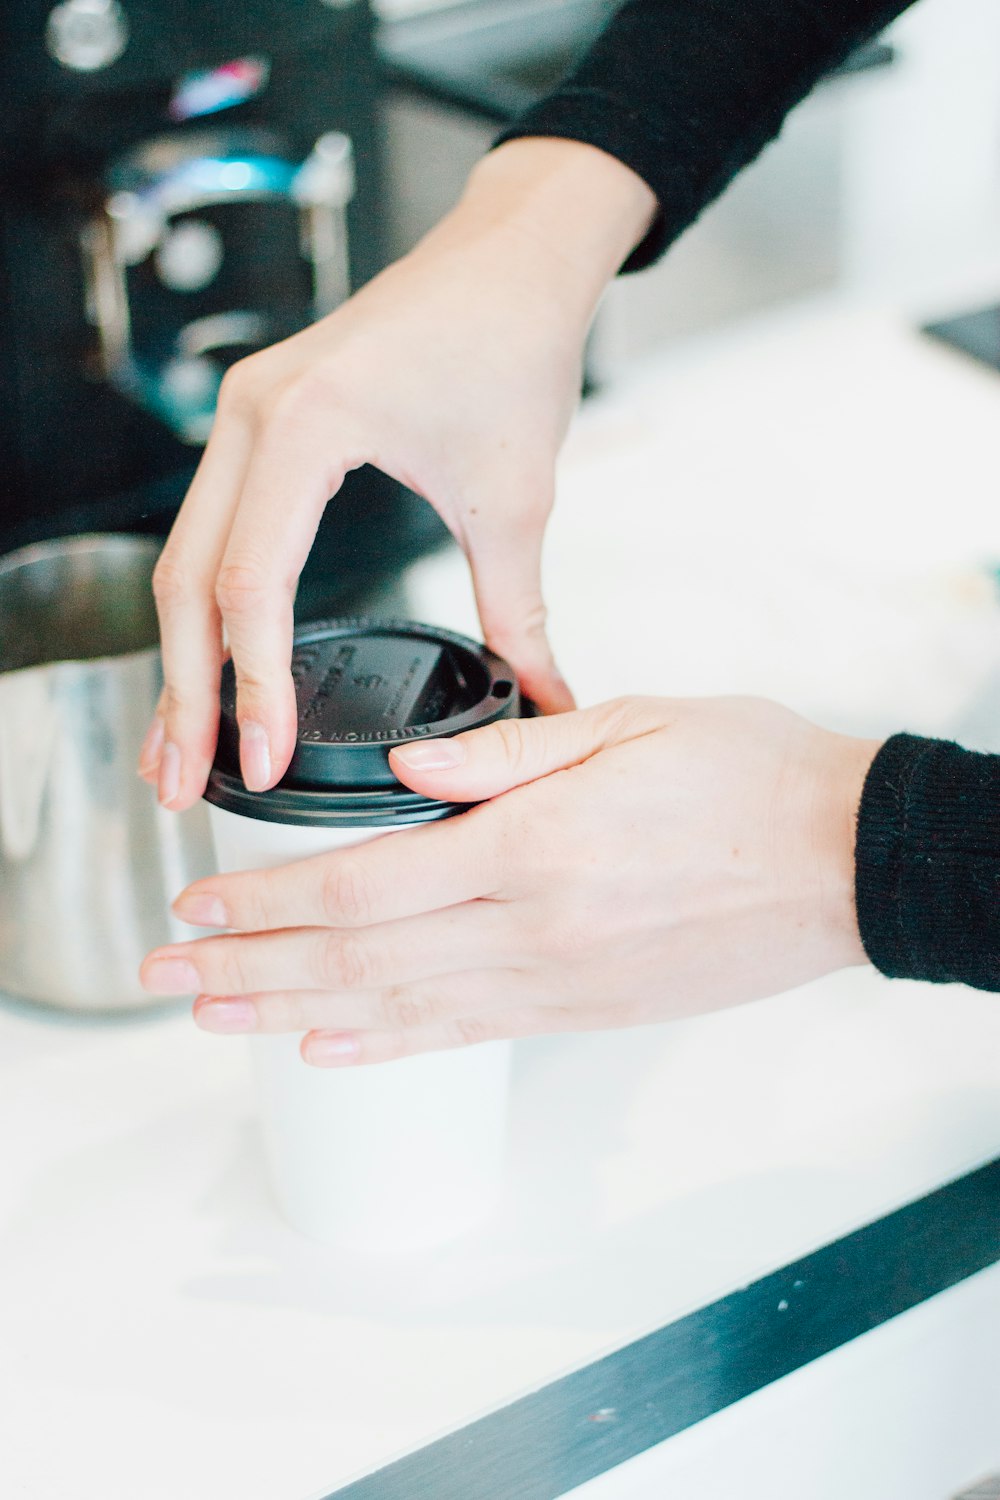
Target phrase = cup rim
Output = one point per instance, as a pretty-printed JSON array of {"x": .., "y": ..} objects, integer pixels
[{"x": 84, "y": 541}]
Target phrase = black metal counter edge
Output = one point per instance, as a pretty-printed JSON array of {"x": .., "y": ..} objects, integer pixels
[{"x": 586, "y": 1423}]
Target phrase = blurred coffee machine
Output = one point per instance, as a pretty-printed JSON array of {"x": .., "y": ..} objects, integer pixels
[{"x": 181, "y": 182}]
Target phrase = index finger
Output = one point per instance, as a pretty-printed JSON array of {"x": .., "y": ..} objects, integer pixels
[
  {"x": 414, "y": 871},
  {"x": 289, "y": 482}
]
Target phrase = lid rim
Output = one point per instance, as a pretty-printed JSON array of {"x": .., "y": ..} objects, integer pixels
[
  {"x": 322, "y": 807},
  {"x": 381, "y": 675}
]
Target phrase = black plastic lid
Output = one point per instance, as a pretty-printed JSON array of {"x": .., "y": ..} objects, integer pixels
[{"x": 363, "y": 686}]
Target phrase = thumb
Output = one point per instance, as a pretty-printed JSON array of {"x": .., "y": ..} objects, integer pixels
[
  {"x": 506, "y": 562},
  {"x": 485, "y": 762}
]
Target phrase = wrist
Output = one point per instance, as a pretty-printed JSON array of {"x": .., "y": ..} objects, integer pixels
[
  {"x": 841, "y": 772},
  {"x": 564, "y": 214}
]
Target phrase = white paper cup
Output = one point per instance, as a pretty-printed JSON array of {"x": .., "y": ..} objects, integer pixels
[
  {"x": 388, "y": 1157},
  {"x": 396, "y": 1156}
]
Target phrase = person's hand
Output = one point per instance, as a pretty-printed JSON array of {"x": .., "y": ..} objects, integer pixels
[
  {"x": 455, "y": 372},
  {"x": 637, "y": 862}
]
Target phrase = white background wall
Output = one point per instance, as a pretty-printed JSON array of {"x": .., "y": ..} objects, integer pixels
[{"x": 921, "y": 208}]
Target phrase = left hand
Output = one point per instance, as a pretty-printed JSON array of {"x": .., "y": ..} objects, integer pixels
[{"x": 641, "y": 861}]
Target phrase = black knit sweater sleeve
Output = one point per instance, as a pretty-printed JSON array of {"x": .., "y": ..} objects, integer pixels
[
  {"x": 687, "y": 92},
  {"x": 928, "y": 862}
]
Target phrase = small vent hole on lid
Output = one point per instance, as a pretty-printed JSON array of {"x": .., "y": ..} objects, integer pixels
[{"x": 502, "y": 689}]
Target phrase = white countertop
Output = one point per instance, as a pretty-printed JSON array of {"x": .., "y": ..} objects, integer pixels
[{"x": 736, "y": 511}]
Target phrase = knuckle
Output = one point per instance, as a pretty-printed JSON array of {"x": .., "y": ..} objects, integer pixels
[
  {"x": 469, "y": 1030},
  {"x": 531, "y": 507},
  {"x": 171, "y": 581},
  {"x": 294, "y": 402},
  {"x": 623, "y": 718},
  {"x": 241, "y": 383},
  {"x": 175, "y": 704},
  {"x": 344, "y": 962},
  {"x": 240, "y": 588},
  {"x": 346, "y": 896},
  {"x": 509, "y": 634},
  {"x": 312, "y": 388},
  {"x": 514, "y": 745},
  {"x": 614, "y": 716},
  {"x": 403, "y": 1009},
  {"x": 534, "y": 619}
]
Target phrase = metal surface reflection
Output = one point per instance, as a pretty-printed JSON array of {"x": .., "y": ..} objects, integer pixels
[{"x": 89, "y": 862}]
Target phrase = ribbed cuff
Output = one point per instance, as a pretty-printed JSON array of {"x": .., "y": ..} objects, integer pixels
[{"x": 928, "y": 863}]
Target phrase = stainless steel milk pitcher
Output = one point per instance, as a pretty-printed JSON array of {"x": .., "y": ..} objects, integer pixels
[{"x": 89, "y": 862}]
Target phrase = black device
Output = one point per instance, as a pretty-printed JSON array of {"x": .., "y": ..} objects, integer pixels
[{"x": 181, "y": 182}]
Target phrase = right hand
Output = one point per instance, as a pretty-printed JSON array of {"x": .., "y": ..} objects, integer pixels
[
  {"x": 455, "y": 372},
  {"x": 645, "y": 860}
]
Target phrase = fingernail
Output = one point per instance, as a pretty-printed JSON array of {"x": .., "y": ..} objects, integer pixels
[
  {"x": 152, "y": 745},
  {"x": 171, "y": 976},
  {"x": 202, "y": 910},
  {"x": 226, "y": 1016},
  {"x": 255, "y": 756},
  {"x": 170, "y": 774},
  {"x": 431, "y": 755},
  {"x": 330, "y": 1049}
]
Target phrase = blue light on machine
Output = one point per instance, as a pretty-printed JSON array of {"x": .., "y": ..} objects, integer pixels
[{"x": 211, "y": 179}]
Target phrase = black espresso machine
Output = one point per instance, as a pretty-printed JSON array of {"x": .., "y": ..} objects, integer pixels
[{"x": 181, "y": 182}]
